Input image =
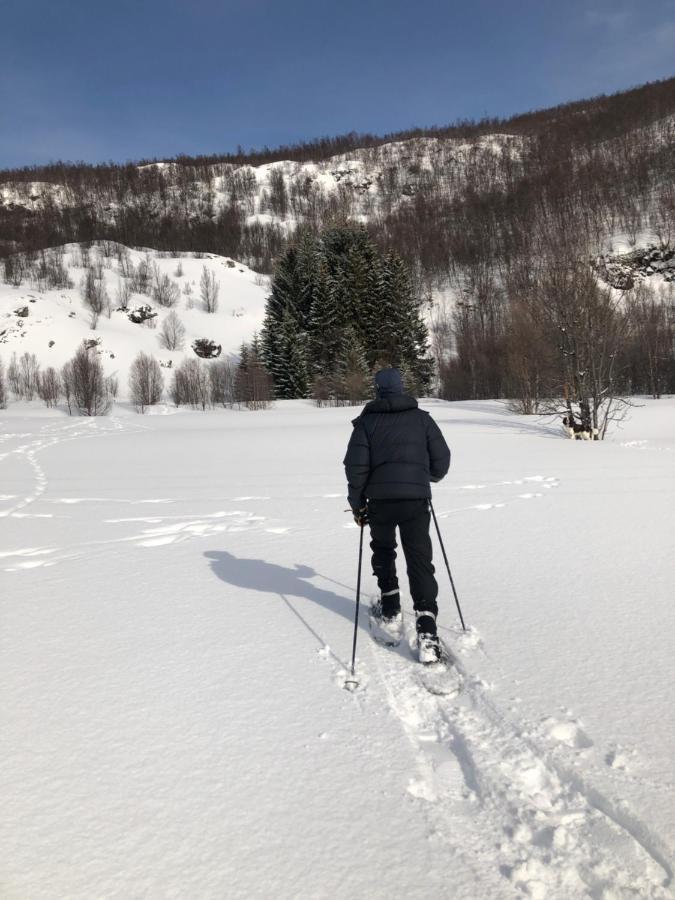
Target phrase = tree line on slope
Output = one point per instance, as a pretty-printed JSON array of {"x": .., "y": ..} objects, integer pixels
[
  {"x": 82, "y": 384},
  {"x": 602, "y": 165}
]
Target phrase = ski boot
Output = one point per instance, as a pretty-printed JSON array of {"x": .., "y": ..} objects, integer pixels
[
  {"x": 428, "y": 644},
  {"x": 386, "y": 620}
]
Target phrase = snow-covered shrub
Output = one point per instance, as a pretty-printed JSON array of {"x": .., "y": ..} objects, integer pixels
[
  {"x": 142, "y": 315},
  {"x": 172, "y": 333},
  {"x": 206, "y": 349},
  {"x": 146, "y": 382}
]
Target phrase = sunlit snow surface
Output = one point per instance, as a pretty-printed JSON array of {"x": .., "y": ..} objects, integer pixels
[{"x": 177, "y": 609}]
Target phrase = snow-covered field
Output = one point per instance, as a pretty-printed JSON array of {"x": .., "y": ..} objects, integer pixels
[{"x": 177, "y": 612}]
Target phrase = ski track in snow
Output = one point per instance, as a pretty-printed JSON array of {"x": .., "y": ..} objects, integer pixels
[
  {"x": 163, "y": 531},
  {"x": 509, "y": 796},
  {"x": 543, "y": 481},
  {"x": 49, "y": 436}
]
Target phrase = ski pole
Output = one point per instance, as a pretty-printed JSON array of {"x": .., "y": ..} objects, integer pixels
[
  {"x": 447, "y": 565},
  {"x": 352, "y": 683}
]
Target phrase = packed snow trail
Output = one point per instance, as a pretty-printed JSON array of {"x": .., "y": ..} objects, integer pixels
[
  {"x": 177, "y": 601},
  {"x": 541, "y": 823}
]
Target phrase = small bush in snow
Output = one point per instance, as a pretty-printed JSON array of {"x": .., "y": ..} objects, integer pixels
[
  {"x": 142, "y": 315},
  {"x": 146, "y": 382},
  {"x": 165, "y": 292},
  {"x": 206, "y": 349}
]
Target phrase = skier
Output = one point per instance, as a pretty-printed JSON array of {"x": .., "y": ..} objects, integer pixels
[{"x": 395, "y": 451}]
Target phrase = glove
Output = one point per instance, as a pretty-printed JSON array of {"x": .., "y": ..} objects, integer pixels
[{"x": 361, "y": 516}]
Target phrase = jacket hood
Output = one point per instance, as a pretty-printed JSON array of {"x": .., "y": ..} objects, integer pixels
[
  {"x": 388, "y": 382},
  {"x": 392, "y": 404}
]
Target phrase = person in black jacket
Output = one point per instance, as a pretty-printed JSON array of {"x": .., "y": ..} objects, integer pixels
[{"x": 395, "y": 451}]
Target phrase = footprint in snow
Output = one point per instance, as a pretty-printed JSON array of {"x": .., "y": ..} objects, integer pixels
[{"x": 568, "y": 732}]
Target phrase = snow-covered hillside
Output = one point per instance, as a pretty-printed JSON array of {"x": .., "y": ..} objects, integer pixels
[
  {"x": 359, "y": 183},
  {"x": 175, "y": 638},
  {"x": 54, "y": 322}
]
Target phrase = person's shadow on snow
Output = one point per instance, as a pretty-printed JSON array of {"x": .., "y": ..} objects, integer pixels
[{"x": 269, "y": 578}]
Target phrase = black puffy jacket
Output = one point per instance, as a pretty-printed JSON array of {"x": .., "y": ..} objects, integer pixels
[{"x": 395, "y": 451}]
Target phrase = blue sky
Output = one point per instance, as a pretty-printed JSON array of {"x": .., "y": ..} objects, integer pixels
[{"x": 127, "y": 80}]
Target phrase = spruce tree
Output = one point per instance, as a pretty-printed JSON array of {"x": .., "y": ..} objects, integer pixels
[
  {"x": 331, "y": 294},
  {"x": 292, "y": 379}
]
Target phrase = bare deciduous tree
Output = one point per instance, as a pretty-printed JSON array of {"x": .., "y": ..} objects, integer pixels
[
  {"x": 67, "y": 378},
  {"x": 209, "y": 290},
  {"x": 85, "y": 384},
  {"x": 49, "y": 386},
  {"x": 123, "y": 294},
  {"x": 3, "y": 387},
  {"x": 172, "y": 333},
  {"x": 222, "y": 375},
  {"x": 191, "y": 384},
  {"x": 165, "y": 291},
  {"x": 29, "y": 375},
  {"x": 94, "y": 293},
  {"x": 146, "y": 382},
  {"x": 14, "y": 376}
]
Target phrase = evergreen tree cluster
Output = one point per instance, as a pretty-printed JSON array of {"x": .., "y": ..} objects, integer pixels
[{"x": 338, "y": 311}]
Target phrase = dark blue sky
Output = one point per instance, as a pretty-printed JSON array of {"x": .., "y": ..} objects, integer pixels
[{"x": 140, "y": 78}]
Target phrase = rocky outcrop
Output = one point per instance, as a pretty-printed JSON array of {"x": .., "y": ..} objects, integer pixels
[{"x": 621, "y": 272}]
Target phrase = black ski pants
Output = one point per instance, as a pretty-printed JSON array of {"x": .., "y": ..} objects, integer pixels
[{"x": 412, "y": 519}]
